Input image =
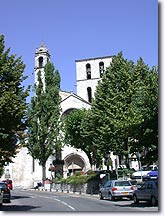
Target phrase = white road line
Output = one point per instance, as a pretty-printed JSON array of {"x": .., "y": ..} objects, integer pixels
[
  {"x": 64, "y": 203},
  {"x": 69, "y": 206}
]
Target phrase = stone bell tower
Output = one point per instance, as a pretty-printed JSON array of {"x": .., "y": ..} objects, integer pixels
[{"x": 42, "y": 56}]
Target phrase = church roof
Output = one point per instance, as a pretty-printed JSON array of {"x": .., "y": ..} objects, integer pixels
[
  {"x": 65, "y": 95},
  {"x": 88, "y": 59}
]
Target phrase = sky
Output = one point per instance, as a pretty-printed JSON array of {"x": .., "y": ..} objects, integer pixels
[{"x": 78, "y": 29}]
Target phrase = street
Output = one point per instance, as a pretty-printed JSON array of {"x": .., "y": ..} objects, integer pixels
[{"x": 42, "y": 201}]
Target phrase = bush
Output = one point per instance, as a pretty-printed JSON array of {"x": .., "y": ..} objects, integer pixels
[{"x": 79, "y": 178}]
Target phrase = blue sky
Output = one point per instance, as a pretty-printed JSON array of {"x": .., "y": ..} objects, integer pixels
[{"x": 78, "y": 29}]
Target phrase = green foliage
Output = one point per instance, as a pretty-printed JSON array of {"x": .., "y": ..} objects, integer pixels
[
  {"x": 1, "y": 170},
  {"x": 122, "y": 173},
  {"x": 12, "y": 103},
  {"x": 44, "y": 116},
  {"x": 125, "y": 108},
  {"x": 78, "y": 179},
  {"x": 75, "y": 135}
]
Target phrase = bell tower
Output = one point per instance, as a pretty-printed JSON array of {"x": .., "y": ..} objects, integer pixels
[{"x": 42, "y": 56}]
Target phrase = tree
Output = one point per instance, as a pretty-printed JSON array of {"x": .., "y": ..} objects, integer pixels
[
  {"x": 145, "y": 100},
  {"x": 122, "y": 105},
  {"x": 75, "y": 127},
  {"x": 44, "y": 117},
  {"x": 13, "y": 104}
]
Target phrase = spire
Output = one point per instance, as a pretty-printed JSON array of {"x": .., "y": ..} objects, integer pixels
[{"x": 43, "y": 44}]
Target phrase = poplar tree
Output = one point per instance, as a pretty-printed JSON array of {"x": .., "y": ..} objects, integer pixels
[
  {"x": 44, "y": 117},
  {"x": 13, "y": 104}
]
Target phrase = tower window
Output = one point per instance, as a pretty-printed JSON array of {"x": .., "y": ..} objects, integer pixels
[
  {"x": 40, "y": 60},
  {"x": 89, "y": 93},
  {"x": 88, "y": 71},
  {"x": 101, "y": 68}
]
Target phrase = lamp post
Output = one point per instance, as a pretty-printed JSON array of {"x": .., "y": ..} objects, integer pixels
[{"x": 51, "y": 171}]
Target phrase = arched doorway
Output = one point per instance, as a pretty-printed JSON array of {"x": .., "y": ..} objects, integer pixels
[{"x": 73, "y": 163}]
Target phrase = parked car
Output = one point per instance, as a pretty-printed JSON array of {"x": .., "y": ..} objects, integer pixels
[
  {"x": 1, "y": 198},
  {"x": 9, "y": 183},
  {"x": 116, "y": 189},
  {"x": 145, "y": 173},
  {"x": 6, "y": 192},
  {"x": 147, "y": 192}
]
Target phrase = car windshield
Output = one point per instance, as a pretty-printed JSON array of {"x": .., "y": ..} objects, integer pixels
[{"x": 122, "y": 183}]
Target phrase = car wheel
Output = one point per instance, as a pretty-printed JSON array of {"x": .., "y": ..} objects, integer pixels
[
  {"x": 101, "y": 196},
  {"x": 153, "y": 201},
  {"x": 111, "y": 198},
  {"x": 135, "y": 199}
]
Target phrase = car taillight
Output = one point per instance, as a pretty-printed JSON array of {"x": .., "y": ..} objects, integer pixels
[
  {"x": 132, "y": 188},
  {"x": 114, "y": 189}
]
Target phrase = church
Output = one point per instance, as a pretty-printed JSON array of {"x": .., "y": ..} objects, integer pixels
[{"x": 25, "y": 171}]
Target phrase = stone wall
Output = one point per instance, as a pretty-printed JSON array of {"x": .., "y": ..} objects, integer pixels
[{"x": 92, "y": 187}]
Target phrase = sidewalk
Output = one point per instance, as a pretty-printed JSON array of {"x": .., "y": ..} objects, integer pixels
[{"x": 65, "y": 192}]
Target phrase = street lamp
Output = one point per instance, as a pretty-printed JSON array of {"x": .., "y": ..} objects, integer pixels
[{"x": 51, "y": 171}]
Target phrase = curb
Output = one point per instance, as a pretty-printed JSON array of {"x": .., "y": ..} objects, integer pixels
[{"x": 66, "y": 192}]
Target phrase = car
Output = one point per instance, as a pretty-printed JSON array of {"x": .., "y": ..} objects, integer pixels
[
  {"x": 6, "y": 192},
  {"x": 151, "y": 176},
  {"x": 1, "y": 198},
  {"x": 145, "y": 173},
  {"x": 9, "y": 183},
  {"x": 150, "y": 168},
  {"x": 147, "y": 192},
  {"x": 113, "y": 189}
]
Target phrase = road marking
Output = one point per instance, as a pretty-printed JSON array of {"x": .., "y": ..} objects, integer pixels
[
  {"x": 69, "y": 206},
  {"x": 64, "y": 203}
]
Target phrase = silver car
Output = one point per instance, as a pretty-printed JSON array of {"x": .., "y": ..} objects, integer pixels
[{"x": 117, "y": 189}]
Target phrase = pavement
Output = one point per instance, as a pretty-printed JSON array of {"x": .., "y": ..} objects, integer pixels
[{"x": 64, "y": 192}]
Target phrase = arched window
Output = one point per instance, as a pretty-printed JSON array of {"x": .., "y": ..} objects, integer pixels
[
  {"x": 89, "y": 93},
  {"x": 101, "y": 68},
  {"x": 88, "y": 71},
  {"x": 40, "y": 61}
]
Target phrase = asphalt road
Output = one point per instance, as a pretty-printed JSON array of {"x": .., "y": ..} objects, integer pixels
[{"x": 42, "y": 201}]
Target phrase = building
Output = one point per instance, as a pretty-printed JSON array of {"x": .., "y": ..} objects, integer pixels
[
  {"x": 25, "y": 171},
  {"x": 88, "y": 73}
]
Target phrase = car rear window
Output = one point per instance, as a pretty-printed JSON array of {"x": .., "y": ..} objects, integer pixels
[{"x": 122, "y": 183}]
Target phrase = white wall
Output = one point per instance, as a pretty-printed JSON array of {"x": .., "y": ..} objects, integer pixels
[{"x": 82, "y": 82}]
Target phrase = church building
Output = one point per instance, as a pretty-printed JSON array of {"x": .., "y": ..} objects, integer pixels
[{"x": 25, "y": 171}]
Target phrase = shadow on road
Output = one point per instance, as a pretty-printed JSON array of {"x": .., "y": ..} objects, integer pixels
[
  {"x": 140, "y": 205},
  {"x": 17, "y": 207},
  {"x": 124, "y": 203},
  {"x": 19, "y": 197}
]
